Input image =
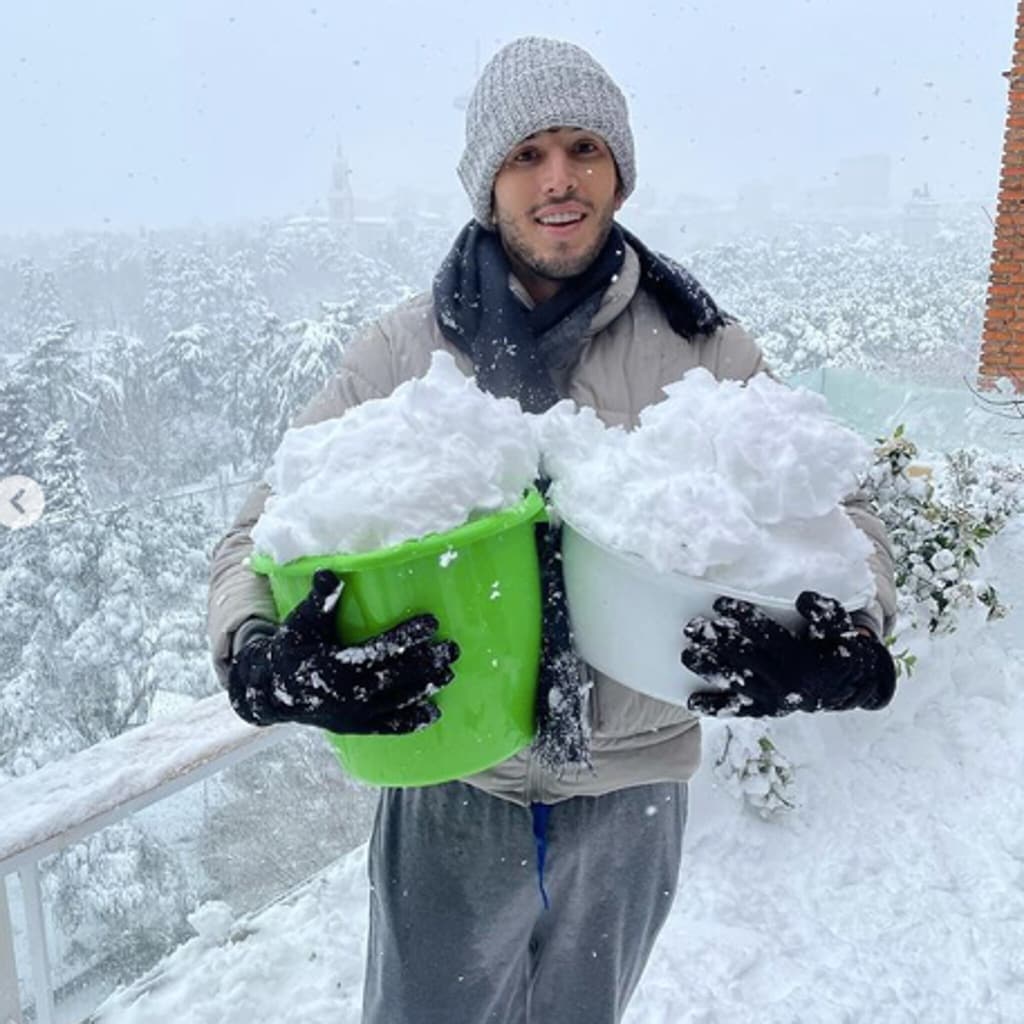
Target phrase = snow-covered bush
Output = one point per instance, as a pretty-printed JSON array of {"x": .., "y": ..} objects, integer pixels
[
  {"x": 938, "y": 518},
  {"x": 753, "y": 769}
]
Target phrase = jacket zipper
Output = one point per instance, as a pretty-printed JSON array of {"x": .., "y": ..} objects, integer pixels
[{"x": 534, "y": 774}]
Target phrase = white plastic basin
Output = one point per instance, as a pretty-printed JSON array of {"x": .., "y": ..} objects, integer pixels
[{"x": 628, "y": 619}]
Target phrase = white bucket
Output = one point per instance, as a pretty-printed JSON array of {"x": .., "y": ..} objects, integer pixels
[{"x": 628, "y": 618}]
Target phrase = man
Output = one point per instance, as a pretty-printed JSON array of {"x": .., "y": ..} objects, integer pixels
[{"x": 543, "y": 296}]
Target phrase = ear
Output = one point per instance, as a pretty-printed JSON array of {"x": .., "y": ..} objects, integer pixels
[{"x": 619, "y": 197}]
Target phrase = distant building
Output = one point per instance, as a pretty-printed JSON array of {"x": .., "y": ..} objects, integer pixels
[
  {"x": 340, "y": 202},
  {"x": 921, "y": 219},
  {"x": 372, "y": 232}
]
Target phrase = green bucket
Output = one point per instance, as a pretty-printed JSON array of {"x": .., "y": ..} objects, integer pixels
[{"x": 482, "y": 582}]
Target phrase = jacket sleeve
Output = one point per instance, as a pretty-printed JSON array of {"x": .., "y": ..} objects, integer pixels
[
  {"x": 739, "y": 357},
  {"x": 732, "y": 354},
  {"x": 880, "y": 614},
  {"x": 239, "y": 601}
]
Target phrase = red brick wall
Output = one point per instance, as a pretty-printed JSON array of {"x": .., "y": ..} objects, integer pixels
[{"x": 1002, "y": 347}]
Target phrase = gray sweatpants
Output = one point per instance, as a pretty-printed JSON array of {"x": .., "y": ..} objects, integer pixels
[{"x": 458, "y": 930}]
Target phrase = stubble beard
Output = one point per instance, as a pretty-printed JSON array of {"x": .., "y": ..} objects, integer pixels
[{"x": 556, "y": 267}]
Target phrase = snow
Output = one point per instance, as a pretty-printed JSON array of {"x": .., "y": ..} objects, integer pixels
[
  {"x": 62, "y": 795},
  {"x": 891, "y": 893},
  {"x": 423, "y": 460},
  {"x": 736, "y": 482},
  {"x": 739, "y": 483}
]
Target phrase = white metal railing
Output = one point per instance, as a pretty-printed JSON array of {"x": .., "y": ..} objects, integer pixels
[{"x": 67, "y": 800}]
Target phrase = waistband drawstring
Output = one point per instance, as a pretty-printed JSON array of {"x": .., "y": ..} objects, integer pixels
[{"x": 541, "y": 812}]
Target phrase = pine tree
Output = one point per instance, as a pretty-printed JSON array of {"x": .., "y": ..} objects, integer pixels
[
  {"x": 121, "y": 434},
  {"x": 60, "y": 470},
  {"x": 39, "y": 305},
  {"x": 20, "y": 427},
  {"x": 310, "y": 355},
  {"x": 10, "y": 325},
  {"x": 125, "y": 884},
  {"x": 183, "y": 368},
  {"x": 82, "y": 272},
  {"x": 159, "y": 302},
  {"x": 46, "y": 309},
  {"x": 51, "y": 366},
  {"x": 261, "y": 395},
  {"x": 25, "y": 269}
]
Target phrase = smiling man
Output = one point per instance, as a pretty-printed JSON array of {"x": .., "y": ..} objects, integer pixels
[
  {"x": 533, "y": 892},
  {"x": 555, "y": 199}
]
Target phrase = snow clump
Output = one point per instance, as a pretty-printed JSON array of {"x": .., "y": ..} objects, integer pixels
[
  {"x": 435, "y": 453},
  {"x": 739, "y": 483}
]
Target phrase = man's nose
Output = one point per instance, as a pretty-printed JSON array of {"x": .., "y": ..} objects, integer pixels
[{"x": 559, "y": 175}]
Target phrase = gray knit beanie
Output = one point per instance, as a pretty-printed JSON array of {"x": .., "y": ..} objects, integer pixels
[{"x": 530, "y": 85}]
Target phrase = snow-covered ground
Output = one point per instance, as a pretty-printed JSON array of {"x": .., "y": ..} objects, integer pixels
[{"x": 893, "y": 893}]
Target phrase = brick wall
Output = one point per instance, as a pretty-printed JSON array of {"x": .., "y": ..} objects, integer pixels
[{"x": 1002, "y": 347}]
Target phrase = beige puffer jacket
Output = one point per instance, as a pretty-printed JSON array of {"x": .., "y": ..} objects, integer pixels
[{"x": 629, "y": 354}]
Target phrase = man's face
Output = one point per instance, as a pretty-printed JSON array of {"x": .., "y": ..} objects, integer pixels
[{"x": 555, "y": 197}]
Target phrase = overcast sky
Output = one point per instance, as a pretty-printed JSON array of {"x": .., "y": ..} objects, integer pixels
[{"x": 129, "y": 113}]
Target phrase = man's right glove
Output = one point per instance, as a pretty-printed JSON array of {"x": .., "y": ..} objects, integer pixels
[{"x": 301, "y": 673}]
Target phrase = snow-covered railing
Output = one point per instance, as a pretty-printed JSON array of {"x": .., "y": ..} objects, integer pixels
[{"x": 67, "y": 800}]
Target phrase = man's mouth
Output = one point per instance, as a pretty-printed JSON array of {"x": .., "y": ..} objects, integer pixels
[
  {"x": 560, "y": 223},
  {"x": 558, "y": 219}
]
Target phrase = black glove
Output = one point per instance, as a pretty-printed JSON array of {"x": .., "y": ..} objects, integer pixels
[
  {"x": 303, "y": 674},
  {"x": 769, "y": 671}
]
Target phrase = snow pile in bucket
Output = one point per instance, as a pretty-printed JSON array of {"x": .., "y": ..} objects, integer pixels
[
  {"x": 737, "y": 483},
  {"x": 435, "y": 453}
]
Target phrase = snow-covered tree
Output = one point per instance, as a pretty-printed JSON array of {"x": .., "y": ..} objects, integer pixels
[
  {"x": 120, "y": 897},
  {"x": 20, "y": 426},
  {"x": 119, "y": 435},
  {"x": 60, "y": 469},
  {"x": 53, "y": 368},
  {"x": 39, "y": 305}
]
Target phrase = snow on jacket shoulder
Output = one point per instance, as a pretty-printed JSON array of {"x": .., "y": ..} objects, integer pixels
[{"x": 629, "y": 354}]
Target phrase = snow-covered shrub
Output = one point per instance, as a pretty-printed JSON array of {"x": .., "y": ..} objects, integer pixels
[
  {"x": 938, "y": 519},
  {"x": 991, "y": 485},
  {"x": 753, "y": 769}
]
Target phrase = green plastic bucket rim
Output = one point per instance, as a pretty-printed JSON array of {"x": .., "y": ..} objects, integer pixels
[{"x": 530, "y": 509}]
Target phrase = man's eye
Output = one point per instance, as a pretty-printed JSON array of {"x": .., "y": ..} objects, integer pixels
[
  {"x": 586, "y": 146},
  {"x": 524, "y": 156}
]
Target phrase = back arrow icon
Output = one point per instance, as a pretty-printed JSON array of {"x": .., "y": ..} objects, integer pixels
[{"x": 21, "y": 503}]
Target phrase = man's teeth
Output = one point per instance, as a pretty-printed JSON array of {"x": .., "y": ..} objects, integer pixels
[{"x": 561, "y": 218}]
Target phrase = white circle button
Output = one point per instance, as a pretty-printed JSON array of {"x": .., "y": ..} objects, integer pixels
[{"x": 21, "y": 501}]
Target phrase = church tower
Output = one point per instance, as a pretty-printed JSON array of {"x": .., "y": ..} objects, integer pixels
[{"x": 340, "y": 203}]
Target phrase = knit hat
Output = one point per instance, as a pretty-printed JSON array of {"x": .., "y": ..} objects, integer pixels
[{"x": 530, "y": 85}]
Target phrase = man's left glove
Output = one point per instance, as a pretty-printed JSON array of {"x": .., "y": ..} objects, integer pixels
[{"x": 769, "y": 671}]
